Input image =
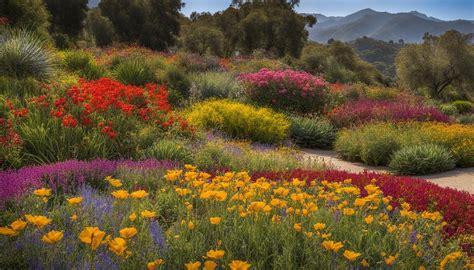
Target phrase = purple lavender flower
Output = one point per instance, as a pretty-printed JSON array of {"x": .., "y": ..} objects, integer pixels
[{"x": 157, "y": 234}]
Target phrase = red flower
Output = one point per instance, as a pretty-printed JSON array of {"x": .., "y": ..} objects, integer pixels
[
  {"x": 69, "y": 121},
  {"x": 20, "y": 112}
]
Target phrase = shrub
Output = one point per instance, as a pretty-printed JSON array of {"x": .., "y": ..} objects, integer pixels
[
  {"x": 134, "y": 72},
  {"x": 312, "y": 132},
  {"x": 171, "y": 150},
  {"x": 214, "y": 85},
  {"x": 176, "y": 79},
  {"x": 466, "y": 119},
  {"x": 23, "y": 55},
  {"x": 287, "y": 90},
  {"x": 197, "y": 63},
  {"x": 448, "y": 109},
  {"x": 421, "y": 159},
  {"x": 12, "y": 87},
  {"x": 363, "y": 111},
  {"x": 240, "y": 120},
  {"x": 244, "y": 65},
  {"x": 419, "y": 193},
  {"x": 83, "y": 65},
  {"x": 463, "y": 106}
]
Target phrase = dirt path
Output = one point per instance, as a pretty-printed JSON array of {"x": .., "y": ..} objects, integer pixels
[{"x": 462, "y": 179}]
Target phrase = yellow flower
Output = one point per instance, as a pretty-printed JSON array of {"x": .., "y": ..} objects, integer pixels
[
  {"x": 139, "y": 194},
  {"x": 18, "y": 225},
  {"x": 74, "y": 217},
  {"x": 148, "y": 214},
  {"x": 390, "y": 260},
  {"x": 190, "y": 167},
  {"x": 75, "y": 200},
  {"x": 369, "y": 219},
  {"x": 128, "y": 232},
  {"x": 308, "y": 234},
  {"x": 210, "y": 265},
  {"x": 297, "y": 227},
  {"x": 215, "y": 254},
  {"x": 118, "y": 246},
  {"x": 351, "y": 255},
  {"x": 92, "y": 236},
  {"x": 364, "y": 263},
  {"x": 332, "y": 246},
  {"x": 190, "y": 225},
  {"x": 114, "y": 182},
  {"x": 52, "y": 237},
  {"x": 42, "y": 192},
  {"x": 239, "y": 265},
  {"x": 192, "y": 265},
  {"x": 449, "y": 258},
  {"x": 120, "y": 194},
  {"x": 152, "y": 265},
  {"x": 319, "y": 226},
  {"x": 325, "y": 235},
  {"x": 421, "y": 268},
  {"x": 7, "y": 231},
  {"x": 215, "y": 220},
  {"x": 348, "y": 211},
  {"x": 38, "y": 221},
  {"x": 132, "y": 216}
]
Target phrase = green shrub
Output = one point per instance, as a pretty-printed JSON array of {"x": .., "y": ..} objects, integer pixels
[
  {"x": 211, "y": 156},
  {"x": 83, "y": 65},
  {"x": 134, "y": 72},
  {"x": 240, "y": 120},
  {"x": 448, "y": 109},
  {"x": 62, "y": 41},
  {"x": 421, "y": 159},
  {"x": 23, "y": 55},
  {"x": 172, "y": 150},
  {"x": 214, "y": 85},
  {"x": 19, "y": 87},
  {"x": 312, "y": 133},
  {"x": 176, "y": 79},
  {"x": 463, "y": 106},
  {"x": 466, "y": 119}
]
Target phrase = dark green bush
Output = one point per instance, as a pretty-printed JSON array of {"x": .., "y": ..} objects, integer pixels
[
  {"x": 463, "y": 106},
  {"x": 312, "y": 133},
  {"x": 83, "y": 65},
  {"x": 176, "y": 79},
  {"x": 421, "y": 159},
  {"x": 134, "y": 71}
]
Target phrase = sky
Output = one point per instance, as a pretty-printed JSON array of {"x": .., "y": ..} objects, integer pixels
[{"x": 441, "y": 9}]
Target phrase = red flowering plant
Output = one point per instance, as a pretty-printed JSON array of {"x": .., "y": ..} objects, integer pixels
[
  {"x": 10, "y": 141},
  {"x": 287, "y": 90}
]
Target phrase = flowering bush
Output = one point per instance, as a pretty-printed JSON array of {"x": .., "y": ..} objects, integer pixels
[
  {"x": 363, "y": 111},
  {"x": 456, "y": 206},
  {"x": 226, "y": 221},
  {"x": 240, "y": 120},
  {"x": 286, "y": 90}
]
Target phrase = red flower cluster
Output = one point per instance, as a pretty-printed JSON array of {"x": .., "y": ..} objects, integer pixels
[
  {"x": 8, "y": 135},
  {"x": 457, "y": 207}
]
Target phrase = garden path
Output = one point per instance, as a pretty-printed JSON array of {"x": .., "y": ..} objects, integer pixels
[{"x": 460, "y": 178}]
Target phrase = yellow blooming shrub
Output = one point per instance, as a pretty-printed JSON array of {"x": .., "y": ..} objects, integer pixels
[{"x": 240, "y": 120}]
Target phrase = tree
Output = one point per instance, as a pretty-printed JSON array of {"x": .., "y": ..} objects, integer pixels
[
  {"x": 151, "y": 23},
  {"x": 204, "y": 40},
  {"x": 100, "y": 27},
  {"x": 437, "y": 63},
  {"x": 67, "y": 16},
  {"x": 30, "y": 14}
]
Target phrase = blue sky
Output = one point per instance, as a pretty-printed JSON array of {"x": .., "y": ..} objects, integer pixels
[{"x": 442, "y": 9}]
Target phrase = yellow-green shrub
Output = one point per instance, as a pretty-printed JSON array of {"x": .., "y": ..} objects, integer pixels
[{"x": 240, "y": 120}]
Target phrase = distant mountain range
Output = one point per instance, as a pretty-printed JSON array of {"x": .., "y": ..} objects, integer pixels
[{"x": 383, "y": 26}]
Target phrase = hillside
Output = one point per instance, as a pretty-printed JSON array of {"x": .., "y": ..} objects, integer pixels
[{"x": 383, "y": 26}]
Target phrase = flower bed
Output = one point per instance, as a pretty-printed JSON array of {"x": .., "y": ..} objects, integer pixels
[
  {"x": 228, "y": 221},
  {"x": 457, "y": 207},
  {"x": 287, "y": 90},
  {"x": 363, "y": 111}
]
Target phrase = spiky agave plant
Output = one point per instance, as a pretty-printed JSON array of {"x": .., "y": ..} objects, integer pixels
[{"x": 23, "y": 55}]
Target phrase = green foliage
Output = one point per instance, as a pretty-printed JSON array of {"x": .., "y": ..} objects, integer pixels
[
  {"x": 151, "y": 23},
  {"x": 421, "y": 159},
  {"x": 23, "y": 55},
  {"x": 463, "y": 106},
  {"x": 240, "y": 120},
  {"x": 67, "y": 16},
  {"x": 203, "y": 40},
  {"x": 12, "y": 87},
  {"x": 100, "y": 27},
  {"x": 214, "y": 85},
  {"x": 312, "y": 132},
  {"x": 448, "y": 109},
  {"x": 134, "y": 71},
  {"x": 62, "y": 41},
  {"x": 176, "y": 79},
  {"x": 83, "y": 65},
  {"x": 166, "y": 149},
  {"x": 26, "y": 14},
  {"x": 254, "y": 65},
  {"x": 437, "y": 63}
]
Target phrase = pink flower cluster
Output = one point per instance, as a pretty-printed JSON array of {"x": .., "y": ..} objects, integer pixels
[
  {"x": 285, "y": 89},
  {"x": 363, "y": 111}
]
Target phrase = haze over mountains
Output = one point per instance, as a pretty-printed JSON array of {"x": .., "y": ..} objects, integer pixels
[{"x": 383, "y": 26}]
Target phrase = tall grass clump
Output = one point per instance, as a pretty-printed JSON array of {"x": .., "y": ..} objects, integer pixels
[
  {"x": 23, "y": 55},
  {"x": 312, "y": 132},
  {"x": 134, "y": 72},
  {"x": 214, "y": 85},
  {"x": 83, "y": 64},
  {"x": 240, "y": 120}
]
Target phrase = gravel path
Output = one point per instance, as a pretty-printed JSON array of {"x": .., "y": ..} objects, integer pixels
[{"x": 462, "y": 179}]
